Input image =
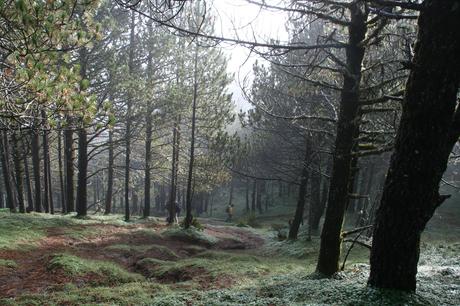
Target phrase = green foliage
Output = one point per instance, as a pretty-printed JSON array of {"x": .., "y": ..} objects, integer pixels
[{"x": 77, "y": 266}]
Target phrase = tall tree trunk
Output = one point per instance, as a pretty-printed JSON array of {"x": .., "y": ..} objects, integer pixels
[
  {"x": 128, "y": 118},
  {"x": 109, "y": 193},
  {"x": 19, "y": 169},
  {"x": 331, "y": 241},
  {"x": 30, "y": 200},
  {"x": 253, "y": 202},
  {"x": 429, "y": 128},
  {"x": 148, "y": 162},
  {"x": 36, "y": 170},
  {"x": 188, "y": 204},
  {"x": 354, "y": 179},
  {"x": 7, "y": 177},
  {"x": 230, "y": 198},
  {"x": 69, "y": 157},
  {"x": 82, "y": 178},
  {"x": 247, "y": 196},
  {"x": 174, "y": 170},
  {"x": 47, "y": 199},
  {"x": 148, "y": 134},
  {"x": 82, "y": 182},
  {"x": 61, "y": 175},
  {"x": 298, "y": 217}
]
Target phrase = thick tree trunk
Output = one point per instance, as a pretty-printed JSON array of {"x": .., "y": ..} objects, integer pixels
[
  {"x": 36, "y": 170},
  {"x": 298, "y": 217},
  {"x": 7, "y": 177},
  {"x": 19, "y": 170},
  {"x": 109, "y": 193},
  {"x": 328, "y": 261},
  {"x": 47, "y": 199},
  {"x": 429, "y": 128},
  {"x": 82, "y": 183}
]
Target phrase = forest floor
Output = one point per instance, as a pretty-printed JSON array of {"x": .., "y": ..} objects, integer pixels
[{"x": 61, "y": 260}]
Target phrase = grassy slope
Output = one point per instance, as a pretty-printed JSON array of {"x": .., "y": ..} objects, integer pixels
[{"x": 278, "y": 274}]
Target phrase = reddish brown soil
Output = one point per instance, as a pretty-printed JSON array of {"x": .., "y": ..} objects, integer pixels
[{"x": 32, "y": 276}]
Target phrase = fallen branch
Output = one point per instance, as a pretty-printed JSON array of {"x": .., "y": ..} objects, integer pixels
[{"x": 356, "y": 230}]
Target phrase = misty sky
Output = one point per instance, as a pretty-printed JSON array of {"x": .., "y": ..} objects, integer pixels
[{"x": 249, "y": 21}]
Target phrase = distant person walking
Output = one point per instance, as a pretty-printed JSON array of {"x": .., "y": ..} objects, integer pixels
[
  {"x": 178, "y": 209},
  {"x": 229, "y": 212}
]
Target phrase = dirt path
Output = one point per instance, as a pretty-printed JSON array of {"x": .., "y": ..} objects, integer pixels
[{"x": 91, "y": 241}]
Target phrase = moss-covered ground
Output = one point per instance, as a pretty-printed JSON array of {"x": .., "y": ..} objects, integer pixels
[{"x": 100, "y": 260}]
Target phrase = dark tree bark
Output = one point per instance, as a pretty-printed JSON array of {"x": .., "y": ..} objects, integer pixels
[
  {"x": 298, "y": 216},
  {"x": 30, "y": 200},
  {"x": 19, "y": 171},
  {"x": 109, "y": 193},
  {"x": 82, "y": 182},
  {"x": 230, "y": 197},
  {"x": 47, "y": 199},
  {"x": 429, "y": 128},
  {"x": 36, "y": 170},
  {"x": 328, "y": 261},
  {"x": 69, "y": 157},
  {"x": 61, "y": 174},
  {"x": 7, "y": 175}
]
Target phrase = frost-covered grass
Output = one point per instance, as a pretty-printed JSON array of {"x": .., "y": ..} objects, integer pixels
[{"x": 280, "y": 273}]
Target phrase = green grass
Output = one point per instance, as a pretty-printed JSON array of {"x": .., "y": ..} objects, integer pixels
[
  {"x": 77, "y": 266},
  {"x": 22, "y": 231},
  {"x": 8, "y": 263},
  {"x": 190, "y": 235}
]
